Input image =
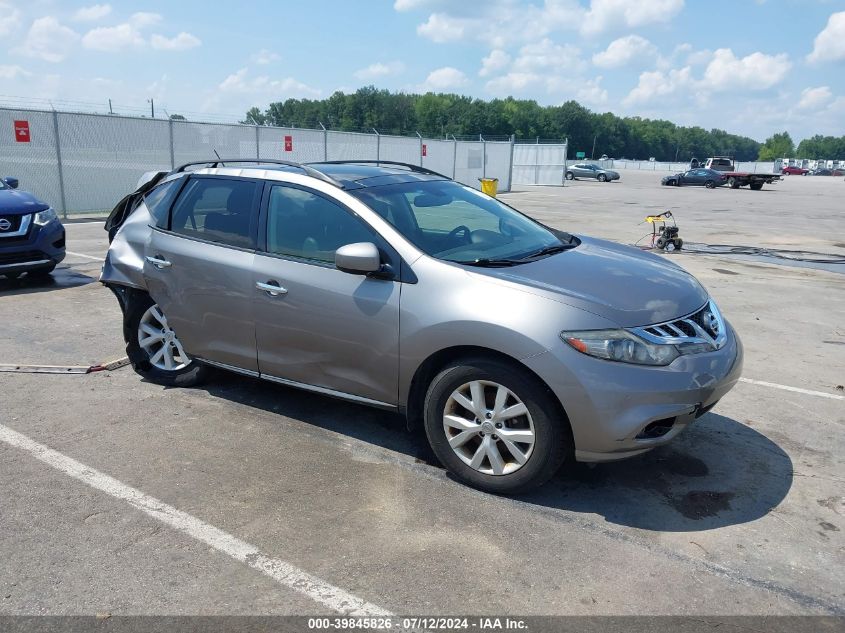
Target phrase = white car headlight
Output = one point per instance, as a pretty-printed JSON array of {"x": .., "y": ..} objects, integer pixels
[
  {"x": 45, "y": 217},
  {"x": 621, "y": 346}
]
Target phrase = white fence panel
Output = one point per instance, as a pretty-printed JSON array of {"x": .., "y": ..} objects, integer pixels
[{"x": 34, "y": 164}]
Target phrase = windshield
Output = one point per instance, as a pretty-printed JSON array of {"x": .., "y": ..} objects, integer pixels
[{"x": 455, "y": 223}]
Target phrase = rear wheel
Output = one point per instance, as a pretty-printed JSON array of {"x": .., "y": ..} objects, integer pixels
[
  {"x": 733, "y": 183},
  {"x": 495, "y": 427},
  {"x": 756, "y": 186},
  {"x": 154, "y": 350},
  {"x": 602, "y": 177},
  {"x": 710, "y": 184},
  {"x": 570, "y": 175}
]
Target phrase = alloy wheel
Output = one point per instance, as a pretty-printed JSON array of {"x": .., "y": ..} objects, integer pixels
[
  {"x": 489, "y": 427},
  {"x": 159, "y": 341}
]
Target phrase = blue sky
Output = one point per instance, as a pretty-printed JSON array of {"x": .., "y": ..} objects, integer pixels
[{"x": 749, "y": 66}]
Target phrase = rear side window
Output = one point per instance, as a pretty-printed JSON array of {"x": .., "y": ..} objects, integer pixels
[
  {"x": 218, "y": 210},
  {"x": 158, "y": 200}
]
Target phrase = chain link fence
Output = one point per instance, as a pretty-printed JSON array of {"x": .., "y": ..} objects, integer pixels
[{"x": 84, "y": 163}]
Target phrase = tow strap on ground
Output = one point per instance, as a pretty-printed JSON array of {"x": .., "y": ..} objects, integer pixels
[{"x": 65, "y": 369}]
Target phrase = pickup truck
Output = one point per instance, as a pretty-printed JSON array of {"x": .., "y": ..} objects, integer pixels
[{"x": 737, "y": 179}]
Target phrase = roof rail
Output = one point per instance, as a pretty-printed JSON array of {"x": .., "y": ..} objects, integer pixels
[
  {"x": 415, "y": 168},
  {"x": 221, "y": 162}
]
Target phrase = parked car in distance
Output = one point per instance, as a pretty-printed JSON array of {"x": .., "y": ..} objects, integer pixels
[
  {"x": 515, "y": 346},
  {"x": 794, "y": 171},
  {"x": 588, "y": 170},
  {"x": 701, "y": 177},
  {"x": 32, "y": 239},
  {"x": 827, "y": 172}
]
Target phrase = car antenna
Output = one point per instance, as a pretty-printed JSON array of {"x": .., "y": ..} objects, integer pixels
[{"x": 218, "y": 158}]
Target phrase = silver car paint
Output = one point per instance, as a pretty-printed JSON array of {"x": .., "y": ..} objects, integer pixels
[{"x": 366, "y": 338}]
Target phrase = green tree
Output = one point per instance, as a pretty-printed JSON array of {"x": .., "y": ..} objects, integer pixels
[{"x": 777, "y": 146}]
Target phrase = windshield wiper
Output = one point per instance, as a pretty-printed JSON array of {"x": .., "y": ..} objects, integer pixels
[
  {"x": 549, "y": 250},
  {"x": 490, "y": 263}
]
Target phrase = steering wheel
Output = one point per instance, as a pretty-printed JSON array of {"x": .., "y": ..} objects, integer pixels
[{"x": 467, "y": 234}]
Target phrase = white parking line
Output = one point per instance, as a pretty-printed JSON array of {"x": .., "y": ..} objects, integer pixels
[
  {"x": 809, "y": 392},
  {"x": 96, "y": 259},
  {"x": 282, "y": 572}
]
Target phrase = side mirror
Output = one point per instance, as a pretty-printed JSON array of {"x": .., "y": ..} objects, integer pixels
[
  {"x": 12, "y": 182},
  {"x": 360, "y": 258}
]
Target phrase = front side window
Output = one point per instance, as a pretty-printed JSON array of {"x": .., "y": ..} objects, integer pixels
[
  {"x": 450, "y": 221},
  {"x": 307, "y": 225},
  {"x": 218, "y": 210}
]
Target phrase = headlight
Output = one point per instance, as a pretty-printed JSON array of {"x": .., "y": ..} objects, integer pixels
[
  {"x": 45, "y": 217},
  {"x": 620, "y": 346}
]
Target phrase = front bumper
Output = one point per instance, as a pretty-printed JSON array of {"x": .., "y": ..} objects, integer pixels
[
  {"x": 42, "y": 247},
  {"x": 618, "y": 410}
]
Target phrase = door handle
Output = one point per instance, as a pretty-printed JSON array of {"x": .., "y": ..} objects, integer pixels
[
  {"x": 158, "y": 262},
  {"x": 272, "y": 288}
]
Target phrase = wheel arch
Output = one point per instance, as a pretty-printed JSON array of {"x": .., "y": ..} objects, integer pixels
[{"x": 412, "y": 404}]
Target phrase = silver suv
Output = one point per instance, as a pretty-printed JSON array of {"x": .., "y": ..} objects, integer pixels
[{"x": 515, "y": 345}]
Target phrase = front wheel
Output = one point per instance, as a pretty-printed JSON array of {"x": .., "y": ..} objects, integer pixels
[
  {"x": 710, "y": 184},
  {"x": 756, "y": 186},
  {"x": 154, "y": 350},
  {"x": 570, "y": 175},
  {"x": 495, "y": 428},
  {"x": 602, "y": 178}
]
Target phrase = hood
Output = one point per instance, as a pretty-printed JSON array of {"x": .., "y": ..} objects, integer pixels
[
  {"x": 621, "y": 283},
  {"x": 15, "y": 202}
]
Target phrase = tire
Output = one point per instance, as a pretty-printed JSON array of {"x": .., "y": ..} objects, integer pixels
[
  {"x": 570, "y": 175},
  {"x": 660, "y": 243},
  {"x": 12, "y": 276},
  {"x": 709, "y": 184},
  {"x": 550, "y": 437},
  {"x": 733, "y": 183},
  {"x": 756, "y": 186},
  {"x": 602, "y": 178},
  {"x": 679, "y": 243},
  {"x": 677, "y": 183},
  {"x": 184, "y": 374}
]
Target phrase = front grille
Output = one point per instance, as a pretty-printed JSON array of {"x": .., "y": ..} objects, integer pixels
[
  {"x": 10, "y": 224},
  {"x": 19, "y": 258},
  {"x": 704, "y": 327}
]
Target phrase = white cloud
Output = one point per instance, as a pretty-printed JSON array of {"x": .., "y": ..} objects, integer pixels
[
  {"x": 144, "y": 18},
  {"x": 605, "y": 15},
  {"x": 264, "y": 57},
  {"x": 829, "y": 44},
  {"x": 549, "y": 56},
  {"x": 814, "y": 98},
  {"x": 591, "y": 92},
  {"x": 656, "y": 84},
  {"x": 725, "y": 72},
  {"x": 623, "y": 51},
  {"x": 500, "y": 23},
  {"x": 495, "y": 61},
  {"x": 10, "y": 19},
  {"x": 380, "y": 69},
  {"x": 512, "y": 83},
  {"x": 12, "y": 72},
  {"x": 93, "y": 13},
  {"x": 113, "y": 38},
  {"x": 441, "y": 27},
  {"x": 280, "y": 89},
  {"x": 181, "y": 42},
  {"x": 129, "y": 36},
  {"x": 757, "y": 71},
  {"x": 445, "y": 78},
  {"x": 49, "y": 40}
]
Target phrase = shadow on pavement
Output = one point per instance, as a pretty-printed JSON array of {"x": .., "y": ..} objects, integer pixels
[
  {"x": 62, "y": 277},
  {"x": 719, "y": 472}
]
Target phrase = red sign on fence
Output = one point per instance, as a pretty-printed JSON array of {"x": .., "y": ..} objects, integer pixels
[
  {"x": 288, "y": 143},
  {"x": 22, "y": 131},
  {"x": 424, "y": 149}
]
